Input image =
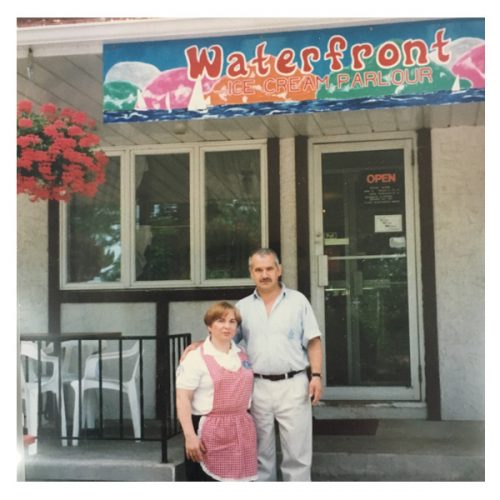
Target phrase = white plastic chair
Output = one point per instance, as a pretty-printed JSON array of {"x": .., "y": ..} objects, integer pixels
[
  {"x": 30, "y": 388},
  {"x": 70, "y": 352},
  {"x": 90, "y": 380}
]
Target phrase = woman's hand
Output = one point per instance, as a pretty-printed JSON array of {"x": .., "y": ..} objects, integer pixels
[{"x": 194, "y": 448}]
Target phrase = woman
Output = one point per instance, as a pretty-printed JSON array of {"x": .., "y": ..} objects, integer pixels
[{"x": 214, "y": 388}]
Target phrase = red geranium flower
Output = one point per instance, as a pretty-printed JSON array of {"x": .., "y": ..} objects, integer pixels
[
  {"x": 48, "y": 109},
  {"x": 56, "y": 153},
  {"x": 24, "y": 106},
  {"x": 75, "y": 131},
  {"x": 24, "y": 123}
]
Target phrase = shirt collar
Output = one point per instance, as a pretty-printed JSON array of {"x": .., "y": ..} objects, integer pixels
[
  {"x": 282, "y": 293},
  {"x": 209, "y": 348}
]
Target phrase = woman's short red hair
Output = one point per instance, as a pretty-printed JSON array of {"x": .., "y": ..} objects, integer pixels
[{"x": 219, "y": 310}]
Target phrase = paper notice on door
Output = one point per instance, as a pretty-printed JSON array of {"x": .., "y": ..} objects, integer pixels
[
  {"x": 397, "y": 242},
  {"x": 388, "y": 223}
]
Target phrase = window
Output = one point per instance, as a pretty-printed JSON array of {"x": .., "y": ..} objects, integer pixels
[
  {"x": 162, "y": 217},
  {"x": 169, "y": 217},
  {"x": 232, "y": 212},
  {"x": 94, "y": 233}
]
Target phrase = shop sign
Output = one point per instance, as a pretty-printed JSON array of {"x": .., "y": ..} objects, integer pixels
[
  {"x": 363, "y": 67},
  {"x": 382, "y": 187}
]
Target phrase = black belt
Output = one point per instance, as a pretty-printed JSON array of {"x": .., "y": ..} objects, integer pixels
[{"x": 274, "y": 378}]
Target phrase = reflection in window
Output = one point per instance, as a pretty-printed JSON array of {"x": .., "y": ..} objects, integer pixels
[
  {"x": 201, "y": 204},
  {"x": 162, "y": 230},
  {"x": 232, "y": 217},
  {"x": 366, "y": 303},
  {"x": 94, "y": 245}
]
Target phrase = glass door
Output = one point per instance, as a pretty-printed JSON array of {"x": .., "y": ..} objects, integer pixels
[{"x": 366, "y": 272}]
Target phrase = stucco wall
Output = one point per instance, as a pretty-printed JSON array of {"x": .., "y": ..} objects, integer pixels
[
  {"x": 458, "y": 185},
  {"x": 129, "y": 319},
  {"x": 187, "y": 317},
  {"x": 32, "y": 265},
  {"x": 288, "y": 212}
]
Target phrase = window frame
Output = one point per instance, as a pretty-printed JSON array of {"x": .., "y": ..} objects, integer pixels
[
  {"x": 264, "y": 230},
  {"x": 131, "y": 192},
  {"x": 63, "y": 238},
  {"x": 196, "y": 152}
]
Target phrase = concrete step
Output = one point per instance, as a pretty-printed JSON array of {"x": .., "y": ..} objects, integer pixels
[
  {"x": 395, "y": 467},
  {"x": 403, "y": 450},
  {"x": 105, "y": 461},
  {"x": 399, "y": 450}
]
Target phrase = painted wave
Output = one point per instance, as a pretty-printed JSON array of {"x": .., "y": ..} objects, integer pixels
[{"x": 294, "y": 107}]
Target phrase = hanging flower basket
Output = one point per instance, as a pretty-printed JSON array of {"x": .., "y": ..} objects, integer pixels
[{"x": 56, "y": 153}]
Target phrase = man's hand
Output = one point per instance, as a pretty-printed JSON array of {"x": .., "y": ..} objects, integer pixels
[
  {"x": 190, "y": 348},
  {"x": 315, "y": 390},
  {"x": 315, "y": 355}
]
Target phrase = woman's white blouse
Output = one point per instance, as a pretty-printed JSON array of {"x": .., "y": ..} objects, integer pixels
[{"x": 192, "y": 374}]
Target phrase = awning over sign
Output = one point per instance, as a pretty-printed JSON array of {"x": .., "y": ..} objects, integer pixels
[{"x": 363, "y": 67}]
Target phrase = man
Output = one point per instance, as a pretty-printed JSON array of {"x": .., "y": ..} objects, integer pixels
[{"x": 282, "y": 338}]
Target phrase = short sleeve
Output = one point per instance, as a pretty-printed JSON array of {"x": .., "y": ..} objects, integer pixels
[
  {"x": 309, "y": 322},
  {"x": 190, "y": 371}
]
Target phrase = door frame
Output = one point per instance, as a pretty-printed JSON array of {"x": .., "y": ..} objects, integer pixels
[{"x": 408, "y": 142}]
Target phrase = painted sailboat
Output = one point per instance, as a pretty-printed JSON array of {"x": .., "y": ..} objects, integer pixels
[{"x": 197, "y": 101}]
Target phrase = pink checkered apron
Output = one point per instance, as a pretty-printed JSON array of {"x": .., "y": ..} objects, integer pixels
[{"x": 228, "y": 431}]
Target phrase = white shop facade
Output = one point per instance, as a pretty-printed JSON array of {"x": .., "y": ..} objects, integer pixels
[{"x": 353, "y": 148}]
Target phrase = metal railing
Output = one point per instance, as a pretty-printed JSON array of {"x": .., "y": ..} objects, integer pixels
[{"x": 93, "y": 364}]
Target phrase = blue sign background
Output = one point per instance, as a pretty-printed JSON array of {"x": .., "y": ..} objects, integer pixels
[{"x": 169, "y": 54}]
